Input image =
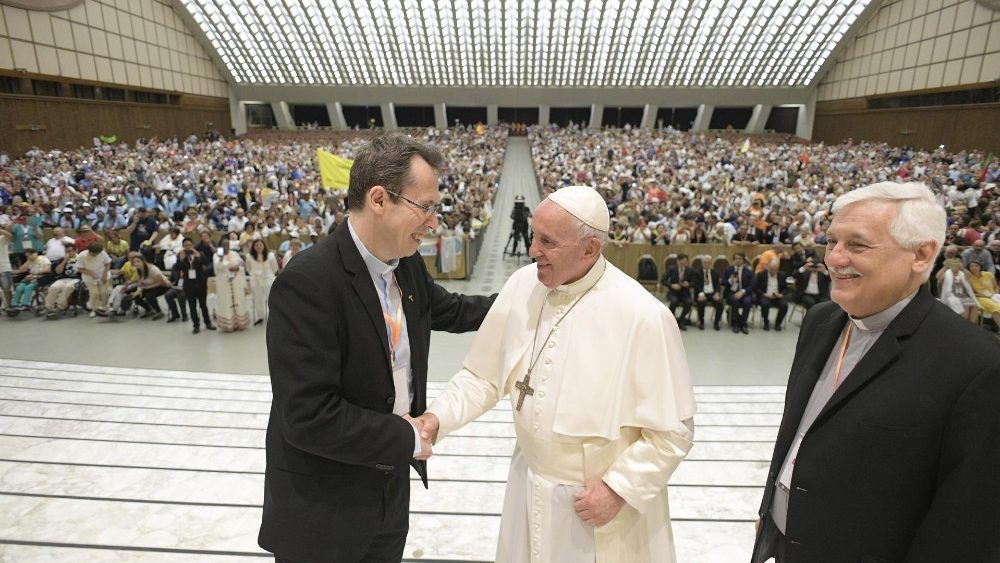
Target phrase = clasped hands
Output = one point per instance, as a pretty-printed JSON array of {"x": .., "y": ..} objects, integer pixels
[{"x": 427, "y": 425}]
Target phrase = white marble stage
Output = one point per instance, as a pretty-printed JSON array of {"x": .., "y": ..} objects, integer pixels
[{"x": 121, "y": 464}]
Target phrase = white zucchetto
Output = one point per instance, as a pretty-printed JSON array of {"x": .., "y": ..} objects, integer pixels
[{"x": 584, "y": 203}]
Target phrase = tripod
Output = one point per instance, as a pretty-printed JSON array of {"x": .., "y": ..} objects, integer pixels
[{"x": 518, "y": 233}]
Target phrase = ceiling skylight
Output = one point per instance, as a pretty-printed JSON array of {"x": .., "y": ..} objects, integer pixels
[{"x": 537, "y": 43}]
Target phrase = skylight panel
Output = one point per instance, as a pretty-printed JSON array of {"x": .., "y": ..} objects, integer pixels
[{"x": 486, "y": 43}]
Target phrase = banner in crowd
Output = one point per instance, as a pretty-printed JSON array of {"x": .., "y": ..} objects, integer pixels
[
  {"x": 335, "y": 170},
  {"x": 108, "y": 139}
]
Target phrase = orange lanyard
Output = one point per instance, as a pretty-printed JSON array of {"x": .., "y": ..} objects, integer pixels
[
  {"x": 843, "y": 352},
  {"x": 395, "y": 321}
]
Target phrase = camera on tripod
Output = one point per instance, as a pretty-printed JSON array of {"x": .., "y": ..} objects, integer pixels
[{"x": 520, "y": 232}]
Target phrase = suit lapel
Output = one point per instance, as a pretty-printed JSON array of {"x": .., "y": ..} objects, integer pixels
[
  {"x": 807, "y": 372},
  {"x": 363, "y": 286},
  {"x": 885, "y": 350}
]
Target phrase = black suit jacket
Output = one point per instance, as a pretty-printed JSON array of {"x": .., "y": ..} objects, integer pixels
[
  {"x": 202, "y": 267},
  {"x": 746, "y": 279},
  {"x": 673, "y": 276},
  {"x": 698, "y": 282},
  {"x": 802, "y": 282},
  {"x": 332, "y": 440},
  {"x": 902, "y": 463},
  {"x": 760, "y": 285}
]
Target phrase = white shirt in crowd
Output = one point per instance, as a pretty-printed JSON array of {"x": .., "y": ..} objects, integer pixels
[{"x": 55, "y": 248}]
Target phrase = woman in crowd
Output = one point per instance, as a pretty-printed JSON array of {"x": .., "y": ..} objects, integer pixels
[
  {"x": 232, "y": 310},
  {"x": 660, "y": 235},
  {"x": 35, "y": 266},
  {"x": 987, "y": 292},
  {"x": 250, "y": 234},
  {"x": 117, "y": 249},
  {"x": 94, "y": 266},
  {"x": 151, "y": 285},
  {"x": 27, "y": 233},
  {"x": 193, "y": 224},
  {"x": 682, "y": 235},
  {"x": 234, "y": 241},
  {"x": 956, "y": 292},
  {"x": 699, "y": 236},
  {"x": 169, "y": 246},
  {"x": 262, "y": 267}
]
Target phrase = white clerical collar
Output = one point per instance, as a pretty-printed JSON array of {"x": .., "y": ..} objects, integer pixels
[
  {"x": 375, "y": 266},
  {"x": 587, "y": 281},
  {"x": 879, "y": 321}
]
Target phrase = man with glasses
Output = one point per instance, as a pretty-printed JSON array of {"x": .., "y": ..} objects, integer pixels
[{"x": 347, "y": 343}]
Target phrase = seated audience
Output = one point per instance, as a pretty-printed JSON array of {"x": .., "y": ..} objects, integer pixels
[
  {"x": 956, "y": 292},
  {"x": 770, "y": 288}
]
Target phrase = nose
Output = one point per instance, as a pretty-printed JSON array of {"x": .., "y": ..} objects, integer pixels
[
  {"x": 836, "y": 257},
  {"x": 533, "y": 250},
  {"x": 432, "y": 221}
]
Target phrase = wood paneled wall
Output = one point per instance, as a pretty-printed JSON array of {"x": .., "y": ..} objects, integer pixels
[
  {"x": 956, "y": 127},
  {"x": 70, "y": 123}
]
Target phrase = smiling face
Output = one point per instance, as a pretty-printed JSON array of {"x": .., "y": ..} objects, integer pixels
[
  {"x": 560, "y": 256},
  {"x": 870, "y": 271},
  {"x": 403, "y": 224}
]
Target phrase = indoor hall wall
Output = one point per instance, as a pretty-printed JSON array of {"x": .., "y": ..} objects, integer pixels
[
  {"x": 956, "y": 127},
  {"x": 88, "y": 119},
  {"x": 916, "y": 45},
  {"x": 139, "y": 43}
]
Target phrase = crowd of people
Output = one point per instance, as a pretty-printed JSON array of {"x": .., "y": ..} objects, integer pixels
[
  {"x": 721, "y": 187},
  {"x": 246, "y": 205},
  {"x": 161, "y": 217}
]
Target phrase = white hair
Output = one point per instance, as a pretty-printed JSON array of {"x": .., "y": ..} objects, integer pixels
[
  {"x": 919, "y": 217},
  {"x": 585, "y": 231}
]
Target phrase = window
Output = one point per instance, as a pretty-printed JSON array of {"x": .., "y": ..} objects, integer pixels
[
  {"x": 84, "y": 91},
  {"x": 45, "y": 87}
]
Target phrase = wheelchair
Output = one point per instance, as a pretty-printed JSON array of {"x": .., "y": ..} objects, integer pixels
[
  {"x": 37, "y": 302},
  {"x": 77, "y": 302}
]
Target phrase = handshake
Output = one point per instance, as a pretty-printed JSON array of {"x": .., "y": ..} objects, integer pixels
[{"x": 427, "y": 425}]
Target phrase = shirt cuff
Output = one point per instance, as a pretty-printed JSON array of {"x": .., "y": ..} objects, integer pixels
[{"x": 416, "y": 441}]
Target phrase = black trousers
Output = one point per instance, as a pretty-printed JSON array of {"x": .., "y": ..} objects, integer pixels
[
  {"x": 684, "y": 299},
  {"x": 388, "y": 544},
  {"x": 808, "y": 300},
  {"x": 740, "y": 308},
  {"x": 198, "y": 296},
  {"x": 149, "y": 297},
  {"x": 765, "y": 308},
  {"x": 717, "y": 305},
  {"x": 175, "y": 300}
]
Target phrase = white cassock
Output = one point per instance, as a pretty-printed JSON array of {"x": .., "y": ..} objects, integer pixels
[{"x": 612, "y": 400}]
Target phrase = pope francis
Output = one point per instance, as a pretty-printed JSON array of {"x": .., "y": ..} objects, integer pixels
[{"x": 601, "y": 396}]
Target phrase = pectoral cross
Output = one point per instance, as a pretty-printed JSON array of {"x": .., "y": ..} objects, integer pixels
[{"x": 525, "y": 389}]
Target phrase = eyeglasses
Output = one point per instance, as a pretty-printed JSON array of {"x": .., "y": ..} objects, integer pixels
[{"x": 428, "y": 210}]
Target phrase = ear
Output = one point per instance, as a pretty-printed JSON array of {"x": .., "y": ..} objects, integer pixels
[
  {"x": 591, "y": 248},
  {"x": 924, "y": 256},
  {"x": 376, "y": 200}
]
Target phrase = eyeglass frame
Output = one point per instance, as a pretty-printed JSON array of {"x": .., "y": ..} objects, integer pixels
[{"x": 428, "y": 210}]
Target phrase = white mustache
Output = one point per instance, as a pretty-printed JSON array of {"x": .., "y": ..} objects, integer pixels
[{"x": 844, "y": 272}]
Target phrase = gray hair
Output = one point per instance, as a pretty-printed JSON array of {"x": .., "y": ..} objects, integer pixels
[
  {"x": 585, "y": 231},
  {"x": 919, "y": 217}
]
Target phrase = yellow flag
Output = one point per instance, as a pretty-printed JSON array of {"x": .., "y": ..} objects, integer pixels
[
  {"x": 335, "y": 170},
  {"x": 745, "y": 147}
]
